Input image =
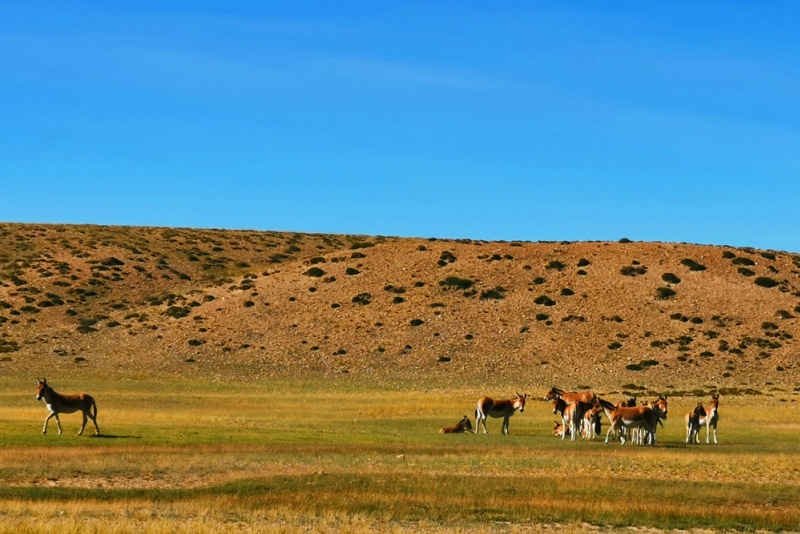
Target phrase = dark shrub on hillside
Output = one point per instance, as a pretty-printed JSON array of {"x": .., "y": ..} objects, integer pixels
[
  {"x": 728, "y": 255},
  {"x": 693, "y": 265},
  {"x": 496, "y": 293},
  {"x": 632, "y": 270},
  {"x": 664, "y": 293},
  {"x": 743, "y": 261},
  {"x": 445, "y": 258},
  {"x": 178, "y": 312},
  {"x": 744, "y": 271},
  {"x": 670, "y": 278},
  {"x": 555, "y": 265},
  {"x": 112, "y": 262},
  {"x": 350, "y": 271},
  {"x": 583, "y": 262},
  {"x": 765, "y": 281},
  {"x": 544, "y": 300},
  {"x": 456, "y": 282},
  {"x": 363, "y": 299},
  {"x": 315, "y": 272}
]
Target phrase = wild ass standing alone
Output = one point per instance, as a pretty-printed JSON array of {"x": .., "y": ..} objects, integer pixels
[
  {"x": 711, "y": 418},
  {"x": 66, "y": 404},
  {"x": 693, "y": 423},
  {"x": 459, "y": 428},
  {"x": 488, "y": 407}
]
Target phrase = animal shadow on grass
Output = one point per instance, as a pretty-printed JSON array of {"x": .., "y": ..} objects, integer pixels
[{"x": 114, "y": 436}]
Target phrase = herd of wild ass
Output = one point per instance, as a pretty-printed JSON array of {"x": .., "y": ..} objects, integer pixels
[{"x": 581, "y": 414}]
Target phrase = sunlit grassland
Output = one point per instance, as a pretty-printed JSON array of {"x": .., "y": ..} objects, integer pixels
[{"x": 189, "y": 456}]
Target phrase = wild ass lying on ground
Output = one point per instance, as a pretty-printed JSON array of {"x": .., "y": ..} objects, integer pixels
[
  {"x": 66, "y": 404},
  {"x": 459, "y": 428},
  {"x": 488, "y": 407}
]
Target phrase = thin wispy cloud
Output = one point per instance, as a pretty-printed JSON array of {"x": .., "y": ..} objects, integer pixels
[{"x": 378, "y": 70}]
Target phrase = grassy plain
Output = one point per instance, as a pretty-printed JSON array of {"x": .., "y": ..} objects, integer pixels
[{"x": 181, "y": 456}]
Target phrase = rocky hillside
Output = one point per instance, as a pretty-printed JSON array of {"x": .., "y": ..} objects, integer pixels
[{"x": 228, "y": 304}]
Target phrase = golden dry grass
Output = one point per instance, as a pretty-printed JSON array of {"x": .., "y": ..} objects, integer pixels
[{"x": 271, "y": 457}]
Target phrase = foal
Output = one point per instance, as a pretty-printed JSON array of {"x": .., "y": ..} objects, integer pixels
[{"x": 459, "y": 428}]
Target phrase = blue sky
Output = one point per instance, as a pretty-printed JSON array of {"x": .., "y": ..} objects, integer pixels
[{"x": 499, "y": 121}]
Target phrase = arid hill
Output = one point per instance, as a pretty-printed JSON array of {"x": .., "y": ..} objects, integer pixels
[{"x": 126, "y": 301}]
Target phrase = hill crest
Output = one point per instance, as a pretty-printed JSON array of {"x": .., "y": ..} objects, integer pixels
[{"x": 230, "y": 304}]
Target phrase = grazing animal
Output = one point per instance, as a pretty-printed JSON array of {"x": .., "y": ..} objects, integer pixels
[
  {"x": 693, "y": 423},
  {"x": 646, "y": 417},
  {"x": 712, "y": 418},
  {"x": 459, "y": 428},
  {"x": 488, "y": 407},
  {"x": 66, "y": 404}
]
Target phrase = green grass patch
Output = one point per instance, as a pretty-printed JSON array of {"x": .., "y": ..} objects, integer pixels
[{"x": 327, "y": 449}]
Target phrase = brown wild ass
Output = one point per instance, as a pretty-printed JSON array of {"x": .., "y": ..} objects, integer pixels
[
  {"x": 693, "y": 423},
  {"x": 459, "y": 428},
  {"x": 586, "y": 396},
  {"x": 629, "y": 402},
  {"x": 641, "y": 435},
  {"x": 576, "y": 405},
  {"x": 66, "y": 404},
  {"x": 591, "y": 425},
  {"x": 488, "y": 407},
  {"x": 646, "y": 417},
  {"x": 711, "y": 418}
]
